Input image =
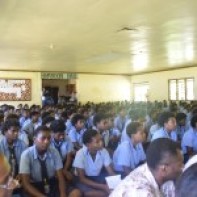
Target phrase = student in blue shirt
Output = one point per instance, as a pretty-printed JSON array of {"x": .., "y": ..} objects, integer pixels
[
  {"x": 121, "y": 119},
  {"x": 12, "y": 147},
  {"x": 181, "y": 125},
  {"x": 63, "y": 145},
  {"x": 41, "y": 167},
  {"x": 76, "y": 132},
  {"x": 167, "y": 121},
  {"x": 89, "y": 163},
  {"x": 130, "y": 154},
  {"x": 189, "y": 141}
]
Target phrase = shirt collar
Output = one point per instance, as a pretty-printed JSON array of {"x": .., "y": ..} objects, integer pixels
[
  {"x": 15, "y": 144},
  {"x": 46, "y": 155}
]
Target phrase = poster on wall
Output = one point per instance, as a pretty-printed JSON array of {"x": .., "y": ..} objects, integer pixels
[{"x": 15, "y": 89}]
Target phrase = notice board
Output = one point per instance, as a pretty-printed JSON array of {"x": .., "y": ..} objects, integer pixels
[{"x": 15, "y": 89}]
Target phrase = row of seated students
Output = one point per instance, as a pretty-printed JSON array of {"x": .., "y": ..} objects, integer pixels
[{"x": 66, "y": 155}]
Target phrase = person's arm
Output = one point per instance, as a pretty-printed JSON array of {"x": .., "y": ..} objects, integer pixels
[
  {"x": 67, "y": 174},
  {"x": 110, "y": 170},
  {"x": 126, "y": 169},
  {"x": 61, "y": 182},
  {"x": 29, "y": 188},
  {"x": 83, "y": 179}
]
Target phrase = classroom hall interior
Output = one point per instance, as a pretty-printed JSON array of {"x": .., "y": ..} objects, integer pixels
[{"x": 98, "y": 60}]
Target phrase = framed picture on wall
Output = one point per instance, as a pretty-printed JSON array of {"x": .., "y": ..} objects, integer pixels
[{"x": 15, "y": 90}]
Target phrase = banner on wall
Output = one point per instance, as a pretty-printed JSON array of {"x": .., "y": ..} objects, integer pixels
[
  {"x": 48, "y": 75},
  {"x": 15, "y": 89}
]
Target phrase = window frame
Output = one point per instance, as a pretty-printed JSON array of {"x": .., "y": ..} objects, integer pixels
[{"x": 177, "y": 92}]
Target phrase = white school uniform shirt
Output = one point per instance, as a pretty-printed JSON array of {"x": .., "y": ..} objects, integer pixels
[{"x": 83, "y": 160}]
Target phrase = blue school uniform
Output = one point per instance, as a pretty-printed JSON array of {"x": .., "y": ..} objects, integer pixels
[
  {"x": 189, "y": 140},
  {"x": 128, "y": 155},
  {"x": 64, "y": 147},
  {"x": 83, "y": 160},
  {"x": 162, "y": 133}
]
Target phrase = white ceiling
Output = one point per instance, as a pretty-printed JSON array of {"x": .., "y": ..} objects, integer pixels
[{"x": 98, "y": 36}]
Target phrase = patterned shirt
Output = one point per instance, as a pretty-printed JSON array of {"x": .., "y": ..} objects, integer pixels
[{"x": 141, "y": 183}]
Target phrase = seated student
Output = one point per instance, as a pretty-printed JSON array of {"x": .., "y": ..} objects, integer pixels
[
  {"x": 189, "y": 141},
  {"x": 114, "y": 134},
  {"x": 186, "y": 184},
  {"x": 41, "y": 167},
  {"x": 181, "y": 127},
  {"x": 89, "y": 162},
  {"x": 30, "y": 125},
  {"x": 130, "y": 154},
  {"x": 46, "y": 121},
  {"x": 100, "y": 125},
  {"x": 164, "y": 163},
  {"x": 12, "y": 147},
  {"x": 63, "y": 145},
  {"x": 167, "y": 121},
  {"x": 121, "y": 119},
  {"x": 76, "y": 132},
  {"x": 24, "y": 117}
]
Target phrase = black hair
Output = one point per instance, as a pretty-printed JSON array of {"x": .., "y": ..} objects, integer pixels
[
  {"x": 88, "y": 135},
  {"x": 98, "y": 118},
  {"x": 40, "y": 129},
  {"x": 12, "y": 117},
  {"x": 180, "y": 116},
  {"x": 47, "y": 119},
  {"x": 186, "y": 184},
  {"x": 132, "y": 128},
  {"x": 158, "y": 149},
  {"x": 76, "y": 118},
  {"x": 164, "y": 118},
  {"x": 194, "y": 121},
  {"x": 58, "y": 126},
  {"x": 10, "y": 123},
  {"x": 34, "y": 113}
]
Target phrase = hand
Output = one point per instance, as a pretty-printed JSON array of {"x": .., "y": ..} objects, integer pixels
[
  {"x": 12, "y": 184},
  {"x": 69, "y": 176},
  {"x": 106, "y": 189}
]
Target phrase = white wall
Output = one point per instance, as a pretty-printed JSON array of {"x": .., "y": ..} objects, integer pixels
[
  {"x": 158, "y": 82},
  {"x": 103, "y": 88}
]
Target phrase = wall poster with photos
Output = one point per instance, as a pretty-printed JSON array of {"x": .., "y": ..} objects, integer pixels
[{"x": 15, "y": 89}]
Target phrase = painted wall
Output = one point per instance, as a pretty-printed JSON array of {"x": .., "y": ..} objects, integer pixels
[
  {"x": 103, "y": 88},
  {"x": 35, "y": 82},
  {"x": 158, "y": 82}
]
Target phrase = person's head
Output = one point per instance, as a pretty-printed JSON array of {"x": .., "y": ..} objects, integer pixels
[
  {"x": 181, "y": 119},
  {"x": 34, "y": 115},
  {"x": 58, "y": 130},
  {"x": 42, "y": 138},
  {"x": 99, "y": 121},
  {"x": 78, "y": 121},
  {"x": 47, "y": 121},
  {"x": 11, "y": 129},
  {"x": 25, "y": 113},
  {"x": 164, "y": 158},
  {"x": 93, "y": 140},
  {"x": 122, "y": 112},
  {"x": 167, "y": 120},
  {"x": 135, "y": 131},
  {"x": 194, "y": 122},
  {"x": 187, "y": 182}
]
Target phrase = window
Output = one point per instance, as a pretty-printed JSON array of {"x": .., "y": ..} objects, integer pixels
[
  {"x": 181, "y": 89},
  {"x": 141, "y": 91}
]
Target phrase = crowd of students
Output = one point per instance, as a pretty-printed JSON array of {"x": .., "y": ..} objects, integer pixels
[{"x": 69, "y": 150}]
